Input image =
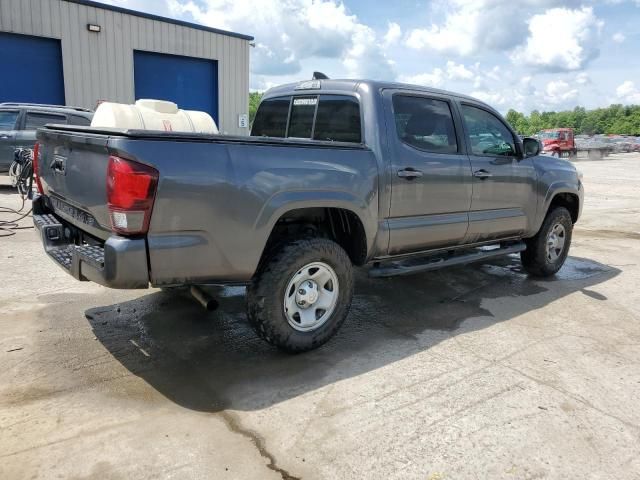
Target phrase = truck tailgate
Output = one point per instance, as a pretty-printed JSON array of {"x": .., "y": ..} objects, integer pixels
[{"x": 73, "y": 171}]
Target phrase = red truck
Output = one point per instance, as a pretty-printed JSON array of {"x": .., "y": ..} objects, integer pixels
[{"x": 558, "y": 142}]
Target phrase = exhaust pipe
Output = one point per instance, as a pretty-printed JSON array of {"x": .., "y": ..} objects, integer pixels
[{"x": 203, "y": 298}]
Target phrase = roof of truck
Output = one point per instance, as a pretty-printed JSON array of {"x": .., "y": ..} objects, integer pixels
[{"x": 353, "y": 84}]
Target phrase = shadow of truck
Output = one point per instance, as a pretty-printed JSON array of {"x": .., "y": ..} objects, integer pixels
[{"x": 210, "y": 361}]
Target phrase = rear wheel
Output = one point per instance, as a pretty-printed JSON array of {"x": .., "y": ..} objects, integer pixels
[
  {"x": 301, "y": 295},
  {"x": 547, "y": 251}
]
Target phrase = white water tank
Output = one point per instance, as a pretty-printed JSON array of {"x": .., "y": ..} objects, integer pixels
[{"x": 152, "y": 115}]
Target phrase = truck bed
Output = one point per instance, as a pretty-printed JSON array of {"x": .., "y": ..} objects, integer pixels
[{"x": 218, "y": 196}]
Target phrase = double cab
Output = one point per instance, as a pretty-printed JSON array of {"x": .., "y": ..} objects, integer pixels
[{"x": 336, "y": 174}]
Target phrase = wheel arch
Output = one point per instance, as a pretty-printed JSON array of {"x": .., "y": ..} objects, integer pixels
[
  {"x": 563, "y": 194},
  {"x": 340, "y": 216}
]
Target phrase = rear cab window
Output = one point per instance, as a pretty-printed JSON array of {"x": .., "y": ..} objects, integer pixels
[
  {"x": 317, "y": 117},
  {"x": 8, "y": 120},
  {"x": 36, "y": 120}
]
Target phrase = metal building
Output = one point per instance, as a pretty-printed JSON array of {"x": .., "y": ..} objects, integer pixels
[{"x": 79, "y": 52}]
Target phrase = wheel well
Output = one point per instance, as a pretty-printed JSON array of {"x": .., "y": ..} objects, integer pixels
[
  {"x": 340, "y": 225},
  {"x": 568, "y": 201}
]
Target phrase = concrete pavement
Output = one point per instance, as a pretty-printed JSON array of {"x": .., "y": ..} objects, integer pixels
[{"x": 471, "y": 372}]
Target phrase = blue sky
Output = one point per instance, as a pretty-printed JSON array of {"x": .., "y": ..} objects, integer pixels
[{"x": 522, "y": 54}]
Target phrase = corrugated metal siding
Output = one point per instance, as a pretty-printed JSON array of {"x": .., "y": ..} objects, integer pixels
[{"x": 100, "y": 66}]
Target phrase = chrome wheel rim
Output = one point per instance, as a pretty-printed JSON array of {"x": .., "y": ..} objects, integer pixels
[
  {"x": 311, "y": 296},
  {"x": 555, "y": 242}
]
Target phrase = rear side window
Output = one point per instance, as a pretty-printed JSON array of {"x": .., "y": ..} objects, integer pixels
[
  {"x": 303, "y": 111},
  {"x": 8, "y": 120},
  {"x": 271, "y": 118},
  {"x": 37, "y": 120},
  {"x": 487, "y": 134},
  {"x": 78, "y": 120},
  {"x": 320, "y": 117},
  {"x": 338, "y": 119},
  {"x": 425, "y": 123}
]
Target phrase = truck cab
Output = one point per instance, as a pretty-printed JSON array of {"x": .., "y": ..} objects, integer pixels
[{"x": 559, "y": 142}]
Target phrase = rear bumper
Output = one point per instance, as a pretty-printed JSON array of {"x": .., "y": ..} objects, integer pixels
[{"x": 118, "y": 263}]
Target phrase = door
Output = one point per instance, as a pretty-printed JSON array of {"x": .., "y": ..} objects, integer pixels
[
  {"x": 503, "y": 183},
  {"x": 8, "y": 122},
  {"x": 31, "y": 69},
  {"x": 26, "y": 136},
  {"x": 431, "y": 174},
  {"x": 191, "y": 83}
]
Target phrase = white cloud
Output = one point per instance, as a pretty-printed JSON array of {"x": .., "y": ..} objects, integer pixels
[
  {"x": 559, "y": 92},
  {"x": 474, "y": 26},
  {"x": 493, "y": 98},
  {"x": 287, "y": 33},
  {"x": 457, "y": 71},
  {"x": 394, "y": 32},
  {"x": 561, "y": 39},
  {"x": 627, "y": 92},
  {"x": 618, "y": 37},
  {"x": 470, "y": 27},
  {"x": 583, "y": 78},
  {"x": 434, "y": 79}
]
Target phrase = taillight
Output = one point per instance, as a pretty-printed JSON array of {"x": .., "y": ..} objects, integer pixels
[
  {"x": 131, "y": 189},
  {"x": 36, "y": 168}
]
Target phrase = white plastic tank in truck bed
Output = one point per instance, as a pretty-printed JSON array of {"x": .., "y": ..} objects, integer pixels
[{"x": 153, "y": 115}]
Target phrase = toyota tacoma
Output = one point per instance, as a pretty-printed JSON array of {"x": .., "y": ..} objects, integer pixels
[{"x": 335, "y": 174}]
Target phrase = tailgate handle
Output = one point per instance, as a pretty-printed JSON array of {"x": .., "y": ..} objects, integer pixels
[{"x": 58, "y": 164}]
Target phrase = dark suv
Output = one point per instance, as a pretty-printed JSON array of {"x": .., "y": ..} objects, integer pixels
[{"x": 19, "y": 122}]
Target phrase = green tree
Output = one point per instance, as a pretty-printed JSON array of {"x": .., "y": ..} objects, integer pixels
[
  {"x": 615, "y": 119},
  {"x": 254, "y": 101}
]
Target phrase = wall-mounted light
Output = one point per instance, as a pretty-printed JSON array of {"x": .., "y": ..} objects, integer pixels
[{"x": 93, "y": 28}]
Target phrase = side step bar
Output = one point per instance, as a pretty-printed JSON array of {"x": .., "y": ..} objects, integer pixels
[{"x": 423, "y": 264}]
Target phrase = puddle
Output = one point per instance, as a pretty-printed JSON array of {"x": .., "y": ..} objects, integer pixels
[{"x": 214, "y": 360}]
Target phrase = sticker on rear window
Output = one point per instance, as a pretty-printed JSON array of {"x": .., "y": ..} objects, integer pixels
[{"x": 305, "y": 101}]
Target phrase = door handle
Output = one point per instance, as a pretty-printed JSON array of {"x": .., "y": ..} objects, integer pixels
[
  {"x": 409, "y": 173},
  {"x": 4, "y": 137},
  {"x": 482, "y": 174}
]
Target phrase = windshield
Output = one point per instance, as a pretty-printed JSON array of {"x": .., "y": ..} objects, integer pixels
[{"x": 547, "y": 135}]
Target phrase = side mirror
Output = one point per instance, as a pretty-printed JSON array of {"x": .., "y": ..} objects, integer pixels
[{"x": 531, "y": 147}]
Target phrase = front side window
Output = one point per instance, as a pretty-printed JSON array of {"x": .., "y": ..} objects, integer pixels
[
  {"x": 486, "y": 133},
  {"x": 8, "y": 120},
  {"x": 425, "y": 123},
  {"x": 37, "y": 120},
  {"x": 271, "y": 118}
]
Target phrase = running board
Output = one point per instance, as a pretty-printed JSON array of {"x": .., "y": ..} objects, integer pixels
[{"x": 411, "y": 265}]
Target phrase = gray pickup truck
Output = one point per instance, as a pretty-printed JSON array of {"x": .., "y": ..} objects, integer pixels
[{"x": 336, "y": 173}]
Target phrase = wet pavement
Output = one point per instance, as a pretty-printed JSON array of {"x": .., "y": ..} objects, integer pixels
[{"x": 470, "y": 372}]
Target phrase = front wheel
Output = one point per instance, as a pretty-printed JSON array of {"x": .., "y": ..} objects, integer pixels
[
  {"x": 301, "y": 294},
  {"x": 547, "y": 251}
]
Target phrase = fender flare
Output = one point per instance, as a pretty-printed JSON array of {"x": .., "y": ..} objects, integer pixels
[
  {"x": 284, "y": 202},
  {"x": 556, "y": 188}
]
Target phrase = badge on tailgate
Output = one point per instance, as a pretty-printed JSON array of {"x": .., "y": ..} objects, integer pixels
[{"x": 75, "y": 213}]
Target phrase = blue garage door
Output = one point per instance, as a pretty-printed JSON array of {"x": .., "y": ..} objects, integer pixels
[
  {"x": 190, "y": 82},
  {"x": 31, "y": 69}
]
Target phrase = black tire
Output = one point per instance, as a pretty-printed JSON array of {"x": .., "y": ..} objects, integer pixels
[
  {"x": 266, "y": 293},
  {"x": 535, "y": 259}
]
